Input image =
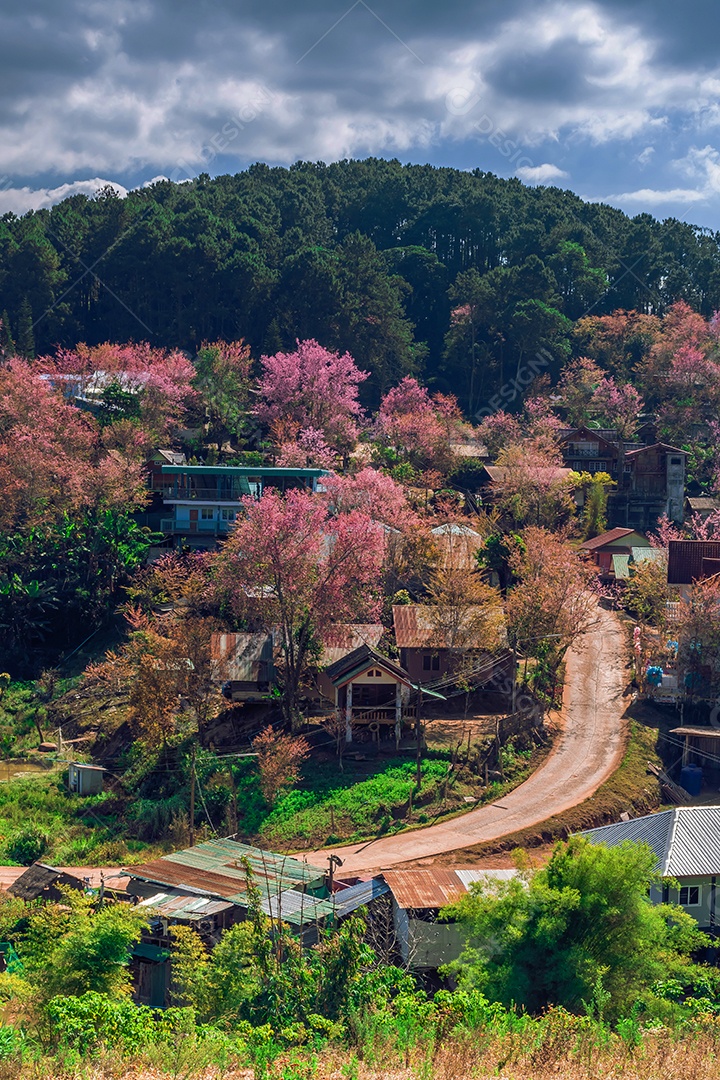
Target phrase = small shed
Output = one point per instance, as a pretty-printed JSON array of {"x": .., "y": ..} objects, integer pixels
[
  {"x": 85, "y": 779},
  {"x": 424, "y": 943},
  {"x": 41, "y": 880},
  {"x": 611, "y": 551},
  {"x": 244, "y": 664}
]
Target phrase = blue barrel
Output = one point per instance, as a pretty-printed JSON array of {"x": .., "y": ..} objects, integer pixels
[{"x": 691, "y": 779}]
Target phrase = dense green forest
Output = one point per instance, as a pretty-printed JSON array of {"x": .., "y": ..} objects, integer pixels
[{"x": 450, "y": 275}]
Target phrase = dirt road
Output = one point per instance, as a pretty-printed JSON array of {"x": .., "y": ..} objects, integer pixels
[{"x": 587, "y": 751}]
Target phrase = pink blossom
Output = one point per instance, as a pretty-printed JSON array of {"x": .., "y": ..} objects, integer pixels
[{"x": 313, "y": 389}]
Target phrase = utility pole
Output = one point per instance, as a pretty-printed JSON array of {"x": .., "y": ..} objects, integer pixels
[
  {"x": 418, "y": 732},
  {"x": 192, "y": 797},
  {"x": 514, "y": 675}
]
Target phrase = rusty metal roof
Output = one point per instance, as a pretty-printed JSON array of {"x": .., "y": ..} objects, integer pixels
[
  {"x": 547, "y": 473},
  {"x": 434, "y": 888},
  {"x": 419, "y": 626},
  {"x": 216, "y": 868},
  {"x": 344, "y": 638},
  {"x": 243, "y": 657}
]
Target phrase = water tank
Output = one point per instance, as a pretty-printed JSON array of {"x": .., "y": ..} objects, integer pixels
[{"x": 691, "y": 779}]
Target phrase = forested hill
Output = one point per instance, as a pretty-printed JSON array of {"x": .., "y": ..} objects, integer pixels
[{"x": 455, "y": 276}]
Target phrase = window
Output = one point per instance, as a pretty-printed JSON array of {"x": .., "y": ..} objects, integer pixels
[
  {"x": 431, "y": 662},
  {"x": 374, "y": 674},
  {"x": 227, "y": 515},
  {"x": 628, "y": 468},
  {"x": 427, "y": 660},
  {"x": 675, "y": 461},
  {"x": 689, "y": 895},
  {"x": 207, "y": 513}
]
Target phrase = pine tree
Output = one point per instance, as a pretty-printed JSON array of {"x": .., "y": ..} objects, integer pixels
[
  {"x": 7, "y": 345},
  {"x": 25, "y": 335}
]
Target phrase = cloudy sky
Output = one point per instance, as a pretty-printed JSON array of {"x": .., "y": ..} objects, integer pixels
[{"x": 617, "y": 100}]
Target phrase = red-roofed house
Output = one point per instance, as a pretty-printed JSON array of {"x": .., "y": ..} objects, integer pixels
[{"x": 612, "y": 550}]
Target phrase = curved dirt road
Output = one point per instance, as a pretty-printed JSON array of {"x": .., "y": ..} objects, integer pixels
[{"x": 587, "y": 751}]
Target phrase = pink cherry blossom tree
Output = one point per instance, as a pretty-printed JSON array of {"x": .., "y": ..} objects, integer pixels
[
  {"x": 291, "y": 564},
  {"x": 617, "y": 406},
  {"x": 161, "y": 379},
  {"x": 313, "y": 389},
  {"x": 307, "y": 449},
  {"x": 418, "y": 427}
]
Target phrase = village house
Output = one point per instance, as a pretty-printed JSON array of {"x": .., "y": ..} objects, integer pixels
[
  {"x": 589, "y": 450},
  {"x": 613, "y": 551},
  {"x": 371, "y": 692},
  {"x": 686, "y": 843},
  {"x": 436, "y": 646},
  {"x": 338, "y": 642},
  {"x": 206, "y": 886},
  {"x": 421, "y": 941},
  {"x": 203, "y": 501},
  {"x": 650, "y": 480}
]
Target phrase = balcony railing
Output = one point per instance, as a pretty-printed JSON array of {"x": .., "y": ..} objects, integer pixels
[
  {"x": 381, "y": 714},
  {"x": 212, "y": 493},
  {"x": 214, "y": 528}
]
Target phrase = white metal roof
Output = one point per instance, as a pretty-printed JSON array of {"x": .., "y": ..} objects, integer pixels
[{"x": 686, "y": 840}]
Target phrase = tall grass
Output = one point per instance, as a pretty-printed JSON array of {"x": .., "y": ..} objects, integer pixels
[{"x": 557, "y": 1045}]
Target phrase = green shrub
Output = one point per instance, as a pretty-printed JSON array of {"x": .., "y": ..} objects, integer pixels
[
  {"x": 81, "y": 1023},
  {"x": 27, "y": 847},
  {"x": 11, "y": 1043}
]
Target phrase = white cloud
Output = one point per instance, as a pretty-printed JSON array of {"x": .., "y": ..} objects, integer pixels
[
  {"x": 646, "y": 156},
  {"x": 20, "y": 200},
  {"x": 653, "y": 197},
  {"x": 541, "y": 174}
]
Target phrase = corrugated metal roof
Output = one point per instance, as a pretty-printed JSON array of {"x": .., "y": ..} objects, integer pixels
[
  {"x": 356, "y": 896},
  {"x": 215, "y": 868},
  {"x": 646, "y": 554},
  {"x": 344, "y": 638},
  {"x": 434, "y": 888},
  {"x": 685, "y": 840},
  {"x": 652, "y": 829},
  {"x": 177, "y": 905},
  {"x": 297, "y": 908},
  {"x": 453, "y": 529},
  {"x": 243, "y": 657},
  {"x": 606, "y": 538},
  {"x": 546, "y": 473},
  {"x": 686, "y": 557},
  {"x": 656, "y": 446},
  {"x": 419, "y": 626},
  {"x": 468, "y": 877},
  {"x": 621, "y": 566}
]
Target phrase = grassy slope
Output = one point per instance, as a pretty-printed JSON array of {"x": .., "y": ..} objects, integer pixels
[{"x": 373, "y": 798}]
